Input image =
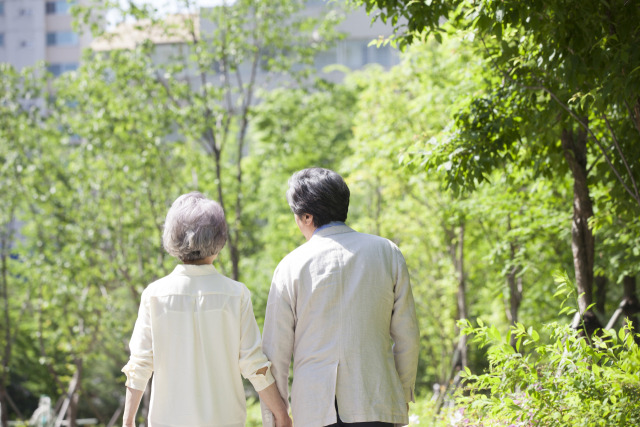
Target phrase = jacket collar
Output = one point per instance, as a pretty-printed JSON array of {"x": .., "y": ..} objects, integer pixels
[
  {"x": 194, "y": 270},
  {"x": 337, "y": 229}
]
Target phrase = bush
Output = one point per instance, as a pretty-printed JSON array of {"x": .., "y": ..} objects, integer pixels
[{"x": 573, "y": 380}]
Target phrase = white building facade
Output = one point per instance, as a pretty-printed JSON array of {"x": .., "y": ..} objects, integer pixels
[
  {"x": 40, "y": 30},
  {"x": 354, "y": 50}
]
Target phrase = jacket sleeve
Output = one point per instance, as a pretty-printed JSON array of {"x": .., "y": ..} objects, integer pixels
[
  {"x": 277, "y": 341},
  {"x": 404, "y": 328},
  {"x": 140, "y": 366},
  {"x": 251, "y": 356}
]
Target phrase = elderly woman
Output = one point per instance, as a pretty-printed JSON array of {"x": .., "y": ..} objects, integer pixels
[{"x": 196, "y": 332}]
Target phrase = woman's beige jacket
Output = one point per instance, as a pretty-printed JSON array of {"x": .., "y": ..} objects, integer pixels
[{"x": 197, "y": 334}]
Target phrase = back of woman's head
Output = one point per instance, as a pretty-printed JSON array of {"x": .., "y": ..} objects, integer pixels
[{"x": 195, "y": 228}]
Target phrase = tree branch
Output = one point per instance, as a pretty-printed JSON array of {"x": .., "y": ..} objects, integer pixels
[
  {"x": 167, "y": 90},
  {"x": 624, "y": 159},
  {"x": 43, "y": 352},
  {"x": 635, "y": 118},
  {"x": 593, "y": 136},
  {"x": 506, "y": 75}
]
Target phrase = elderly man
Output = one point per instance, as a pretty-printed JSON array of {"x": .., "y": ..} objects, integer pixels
[{"x": 341, "y": 305}]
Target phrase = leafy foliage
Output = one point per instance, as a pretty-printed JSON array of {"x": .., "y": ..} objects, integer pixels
[{"x": 567, "y": 380}]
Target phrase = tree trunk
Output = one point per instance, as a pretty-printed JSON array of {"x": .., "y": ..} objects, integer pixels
[
  {"x": 4, "y": 409},
  {"x": 75, "y": 397},
  {"x": 630, "y": 304},
  {"x": 67, "y": 403},
  {"x": 515, "y": 295},
  {"x": 635, "y": 115},
  {"x": 582, "y": 241},
  {"x": 601, "y": 283},
  {"x": 235, "y": 256},
  {"x": 5, "y": 243},
  {"x": 458, "y": 259},
  {"x": 515, "y": 298},
  {"x": 514, "y": 282},
  {"x": 460, "y": 358}
]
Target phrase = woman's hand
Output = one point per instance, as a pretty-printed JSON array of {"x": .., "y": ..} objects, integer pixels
[
  {"x": 131, "y": 403},
  {"x": 271, "y": 397}
]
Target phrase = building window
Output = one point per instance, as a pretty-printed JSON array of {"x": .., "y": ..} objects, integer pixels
[
  {"x": 58, "y": 7},
  {"x": 62, "y": 38},
  {"x": 1, "y": 8},
  {"x": 1, "y": 39},
  {"x": 57, "y": 69},
  {"x": 379, "y": 55},
  {"x": 23, "y": 11},
  {"x": 352, "y": 53},
  {"x": 326, "y": 58}
]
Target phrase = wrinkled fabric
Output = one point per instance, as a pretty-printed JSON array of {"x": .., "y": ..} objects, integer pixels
[
  {"x": 197, "y": 334},
  {"x": 341, "y": 306}
]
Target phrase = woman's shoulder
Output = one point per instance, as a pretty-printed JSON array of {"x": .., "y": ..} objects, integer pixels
[
  {"x": 155, "y": 286},
  {"x": 233, "y": 285},
  {"x": 173, "y": 284}
]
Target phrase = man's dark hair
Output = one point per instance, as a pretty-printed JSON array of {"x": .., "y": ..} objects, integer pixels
[{"x": 319, "y": 192}]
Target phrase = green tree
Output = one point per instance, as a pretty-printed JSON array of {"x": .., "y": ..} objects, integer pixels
[
  {"x": 560, "y": 95},
  {"x": 20, "y": 151},
  {"x": 293, "y": 129},
  {"x": 228, "y": 54},
  {"x": 120, "y": 172}
]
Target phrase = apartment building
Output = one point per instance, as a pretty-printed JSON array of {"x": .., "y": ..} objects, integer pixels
[
  {"x": 353, "y": 51},
  {"x": 40, "y": 30}
]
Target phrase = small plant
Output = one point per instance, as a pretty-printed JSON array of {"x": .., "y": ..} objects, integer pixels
[{"x": 570, "y": 381}]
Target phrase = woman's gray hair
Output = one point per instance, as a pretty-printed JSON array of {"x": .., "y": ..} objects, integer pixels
[{"x": 195, "y": 228}]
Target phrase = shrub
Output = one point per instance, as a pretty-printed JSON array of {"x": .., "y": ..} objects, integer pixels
[{"x": 572, "y": 380}]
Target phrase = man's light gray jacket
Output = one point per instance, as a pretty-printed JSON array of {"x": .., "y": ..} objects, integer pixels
[{"x": 341, "y": 305}]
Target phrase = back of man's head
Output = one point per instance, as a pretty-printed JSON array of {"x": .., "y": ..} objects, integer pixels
[{"x": 319, "y": 192}]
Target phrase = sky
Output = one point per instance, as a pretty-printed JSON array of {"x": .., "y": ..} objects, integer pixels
[{"x": 164, "y": 6}]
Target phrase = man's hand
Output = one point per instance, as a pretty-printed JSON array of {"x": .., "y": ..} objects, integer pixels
[{"x": 284, "y": 422}]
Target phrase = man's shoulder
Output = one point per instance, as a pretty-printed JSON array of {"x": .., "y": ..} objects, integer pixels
[
  {"x": 296, "y": 256},
  {"x": 374, "y": 241},
  {"x": 373, "y": 238},
  {"x": 300, "y": 258},
  {"x": 316, "y": 246}
]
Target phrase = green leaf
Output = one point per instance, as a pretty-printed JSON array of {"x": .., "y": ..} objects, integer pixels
[{"x": 535, "y": 335}]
